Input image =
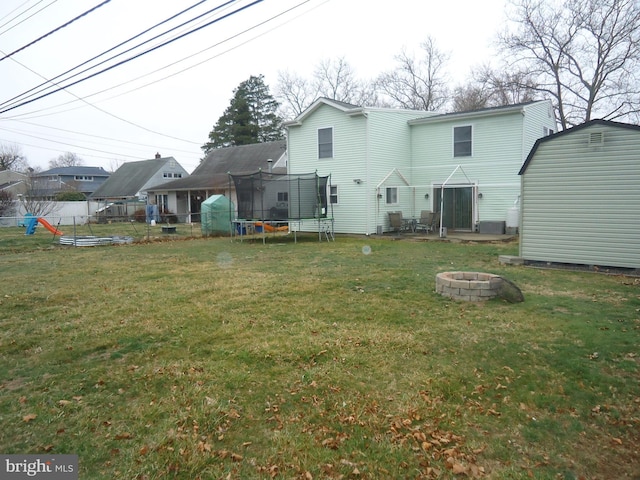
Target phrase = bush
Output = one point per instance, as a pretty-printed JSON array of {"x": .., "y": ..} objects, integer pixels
[
  {"x": 140, "y": 215},
  {"x": 70, "y": 197}
]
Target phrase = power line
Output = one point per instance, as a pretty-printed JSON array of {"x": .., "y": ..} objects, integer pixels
[
  {"x": 55, "y": 30},
  {"x": 51, "y": 80},
  {"x": 30, "y": 16},
  {"x": 133, "y": 57},
  {"x": 191, "y": 56},
  {"x": 73, "y": 132}
]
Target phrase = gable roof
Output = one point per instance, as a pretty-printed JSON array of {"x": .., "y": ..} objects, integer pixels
[
  {"x": 75, "y": 170},
  {"x": 470, "y": 114},
  {"x": 214, "y": 169},
  {"x": 342, "y": 106},
  {"x": 129, "y": 179},
  {"x": 572, "y": 130}
]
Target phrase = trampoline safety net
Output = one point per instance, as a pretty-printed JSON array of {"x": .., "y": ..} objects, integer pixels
[{"x": 271, "y": 196}]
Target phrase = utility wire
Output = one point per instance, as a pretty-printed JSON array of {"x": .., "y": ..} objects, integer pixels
[
  {"x": 191, "y": 56},
  {"x": 51, "y": 80},
  {"x": 73, "y": 132},
  {"x": 30, "y": 16},
  {"x": 113, "y": 115},
  {"x": 55, "y": 30},
  {"x": 134, "y": 57}
]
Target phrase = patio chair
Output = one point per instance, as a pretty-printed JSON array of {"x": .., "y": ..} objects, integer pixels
[
  {"x": 395, "y": 222},
  {"x": 425, "y": 223}
]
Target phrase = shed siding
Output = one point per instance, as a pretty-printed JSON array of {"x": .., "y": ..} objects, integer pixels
[{"x": 581, "y": 203}]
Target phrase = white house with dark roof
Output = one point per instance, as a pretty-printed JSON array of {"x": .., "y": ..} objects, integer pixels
[
  {"x": 134, "y": 179},
  {"x": 184, "y": 196},
  {"x": 385, "y": 160}
]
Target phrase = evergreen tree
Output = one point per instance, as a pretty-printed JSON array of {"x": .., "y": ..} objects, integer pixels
[{"x": 250, "y": 118}]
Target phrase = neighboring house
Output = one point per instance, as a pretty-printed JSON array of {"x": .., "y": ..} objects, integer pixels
[
  {"x": 64, "y": 179},
  {"x": 580, "y": 199},
  {"x": 385, "y": 160},
  {"x": 185, "y": 196},
  {"x": 133, "y": 180},
  {"x": 13, "y": 183}
]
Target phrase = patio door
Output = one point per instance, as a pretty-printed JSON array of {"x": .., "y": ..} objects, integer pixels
[{"x": 458, "y": 206}]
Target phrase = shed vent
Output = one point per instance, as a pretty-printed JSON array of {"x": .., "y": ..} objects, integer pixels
[{"x": 596, "y": 138}]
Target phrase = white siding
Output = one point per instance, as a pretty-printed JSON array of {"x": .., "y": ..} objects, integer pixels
[
  {"x": 366, "y": 147},
  {"x": 581, "y": 203},
  {"x": 494, "y": 164},
  {"x": 390, "y": 149}
]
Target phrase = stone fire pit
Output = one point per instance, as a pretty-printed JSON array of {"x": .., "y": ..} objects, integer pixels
[{"x": 476, "y": 287}]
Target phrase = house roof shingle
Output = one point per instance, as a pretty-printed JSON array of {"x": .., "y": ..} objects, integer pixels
[
  {"x": 130, "y": 178},
  {"x": 213, "y": 171},
  {"x": 77, "y": 170}
]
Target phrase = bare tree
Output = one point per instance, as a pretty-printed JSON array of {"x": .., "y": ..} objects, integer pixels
[
  {"x": 294, "y": 94},
  {"x": 115, "y": 164},
  {"x": 585, "y": 54},
  {"x": 68, "y": 159},
  {"x": 332, "y": 78},
  {"x": 506, "y": 88},
  {"x": 336, "y": 79},
  {"x": 418, "y": 84},
  {"x": 7, "y": 203},
  {"x": 11, "y": 158},
  {"x": 469, "y": 97},
  {"x": 37, "y": 199}
]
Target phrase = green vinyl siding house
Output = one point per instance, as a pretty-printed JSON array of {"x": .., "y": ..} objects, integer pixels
[
  {"x": 387, "y": 160},
  {"x": 358, "y": 147},
  {"x": 581, "y": 197}
]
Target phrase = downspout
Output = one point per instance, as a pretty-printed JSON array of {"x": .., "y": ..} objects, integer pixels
[{"x": 367, "y": 169}]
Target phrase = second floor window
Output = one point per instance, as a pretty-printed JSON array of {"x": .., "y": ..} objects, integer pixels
[
  {"x": 462, "y": 141},
  {"x": 325, "y": 142}
]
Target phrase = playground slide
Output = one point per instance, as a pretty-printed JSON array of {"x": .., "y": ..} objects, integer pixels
[
  {"x": 270, "y": 228},
  {"x": 49, "y": 227}
]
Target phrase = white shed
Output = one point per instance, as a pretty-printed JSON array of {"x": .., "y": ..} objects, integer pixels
[{"x": 580, "y": 197}]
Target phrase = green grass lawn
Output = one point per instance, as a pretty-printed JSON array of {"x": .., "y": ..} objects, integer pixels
[{"x": 211, "y": 359}]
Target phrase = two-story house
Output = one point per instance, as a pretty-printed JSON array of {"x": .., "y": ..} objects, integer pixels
[
  {"x": 384, "y": 160},
  {"x": 81, "y": 179}
]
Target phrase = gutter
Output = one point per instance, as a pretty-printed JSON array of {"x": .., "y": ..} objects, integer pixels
[{"x": 447, "y": 117}]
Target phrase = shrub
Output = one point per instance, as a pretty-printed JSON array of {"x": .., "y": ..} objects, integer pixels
[
  {"x": 140, "y": 215},
  {"x": 70, "y": 197}
]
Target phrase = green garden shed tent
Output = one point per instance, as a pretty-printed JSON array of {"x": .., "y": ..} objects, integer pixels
[{"x": 215, "y": 215}]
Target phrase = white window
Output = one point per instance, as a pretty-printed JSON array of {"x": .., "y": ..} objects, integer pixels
[
  {"x": 547, "y": 131},
  {"x": 83, "y": 178},
  {"x": 333, "y": 194},
  {"x": 325, "y": 142},
  {"x": 391, "y": 195},
  {"x": 462, "y": 141}
]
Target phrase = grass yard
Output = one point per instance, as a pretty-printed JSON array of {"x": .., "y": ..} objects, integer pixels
[{"x": 211, "y": 359}]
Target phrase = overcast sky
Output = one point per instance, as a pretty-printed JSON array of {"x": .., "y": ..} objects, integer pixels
[{"x": 168, "y": 100}]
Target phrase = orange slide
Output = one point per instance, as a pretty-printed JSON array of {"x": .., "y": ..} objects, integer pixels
[
  {"x": 269, "y": 228},
  {"x": 49, "y": 227}
]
